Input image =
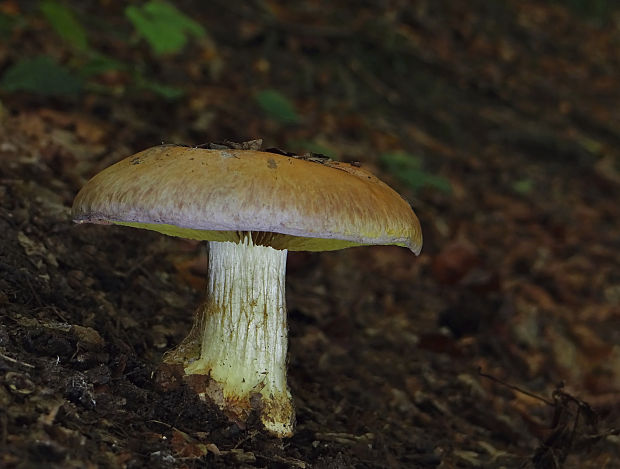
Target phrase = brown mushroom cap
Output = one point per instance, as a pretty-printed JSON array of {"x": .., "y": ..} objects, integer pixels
[{"x": 217, "y": 195}]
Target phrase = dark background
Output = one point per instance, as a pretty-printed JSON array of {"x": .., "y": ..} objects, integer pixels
[{"x": 498, "y": 121}]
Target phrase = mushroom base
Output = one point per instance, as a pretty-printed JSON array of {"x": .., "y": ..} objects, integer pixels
[{"x": 239, "y": 338}]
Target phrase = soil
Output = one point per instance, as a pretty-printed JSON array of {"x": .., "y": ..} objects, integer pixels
[{"x": 498, "y": 346}]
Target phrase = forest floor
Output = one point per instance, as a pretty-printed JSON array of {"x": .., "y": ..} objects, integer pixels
[{"x": 499, "y": 346}]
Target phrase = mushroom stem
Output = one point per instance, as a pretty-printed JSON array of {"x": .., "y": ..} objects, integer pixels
[{"x": 243, "y": 334}]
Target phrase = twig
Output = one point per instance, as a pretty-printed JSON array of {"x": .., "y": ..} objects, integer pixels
[
  {"x": 515, "y": 388},
  {"x": 17, "y": 362}
]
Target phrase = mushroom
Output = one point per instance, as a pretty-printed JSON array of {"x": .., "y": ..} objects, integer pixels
[{"x": 252, "y": 207}]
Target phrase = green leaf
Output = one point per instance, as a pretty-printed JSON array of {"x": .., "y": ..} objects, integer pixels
[
  {"x": 165, "y": 91},
  {"x": 65, "y": 24},
  {"x": 408, "y": 168},
  {"x": 523, "y": 186},
  {"x": 277, "y": 106},
  {"x": 141, "y": 82},
  {"x": 165, "y": 28},
  {"x": 100, "y": 63},
  {"x": 40, "y": 75}
]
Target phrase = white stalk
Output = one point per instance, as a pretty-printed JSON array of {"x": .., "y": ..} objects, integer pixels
[{"x": 244, "y": 332}]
